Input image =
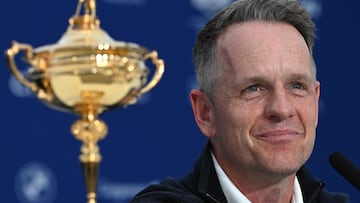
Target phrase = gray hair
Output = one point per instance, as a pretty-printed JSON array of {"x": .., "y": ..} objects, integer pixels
[{"x": 207, "y": 67}]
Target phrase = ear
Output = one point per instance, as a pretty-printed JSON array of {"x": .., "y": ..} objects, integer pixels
[
  {"x": 203, "y": 112},
  {"x": 317, "y": 96}
]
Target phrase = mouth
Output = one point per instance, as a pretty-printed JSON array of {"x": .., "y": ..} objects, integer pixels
[{"x": 279, "y": 136}]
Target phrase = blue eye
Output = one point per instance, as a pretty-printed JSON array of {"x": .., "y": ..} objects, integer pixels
[
  {"x": 298, "y": 86},
  {"x": 253, "y": 91},
  {"x": 252, "y": 88}
]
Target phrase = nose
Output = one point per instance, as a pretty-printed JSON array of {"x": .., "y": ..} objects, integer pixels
[{"x": 279, "y": 107}]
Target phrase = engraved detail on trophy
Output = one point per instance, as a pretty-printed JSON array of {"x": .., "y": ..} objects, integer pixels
[{"x": 86, "y": 73}]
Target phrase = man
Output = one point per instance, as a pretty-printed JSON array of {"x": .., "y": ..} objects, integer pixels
[{"x": 258, "y": 106}]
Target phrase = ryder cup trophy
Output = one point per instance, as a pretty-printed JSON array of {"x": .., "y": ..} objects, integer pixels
[{"x": 86, "y": 73}]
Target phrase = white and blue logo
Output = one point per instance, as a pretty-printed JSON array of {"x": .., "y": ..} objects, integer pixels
[
  {"x": 314, "y": 7},
  {"x": 206, "y": 8},
  {"x": 35, "y": 183},
  {"x": 120, "y": 192},
  {"x": 18, "y": 89}
]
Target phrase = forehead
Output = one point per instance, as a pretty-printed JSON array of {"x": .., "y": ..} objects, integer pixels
[
  {"x": 261, "y": 31},
  {"x": 259, "y": 46}
]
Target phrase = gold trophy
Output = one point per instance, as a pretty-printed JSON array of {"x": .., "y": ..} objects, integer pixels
[{"x": 86, "y": 73}]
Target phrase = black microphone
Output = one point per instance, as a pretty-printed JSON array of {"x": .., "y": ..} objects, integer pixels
[{"x": 342, "y": 165}]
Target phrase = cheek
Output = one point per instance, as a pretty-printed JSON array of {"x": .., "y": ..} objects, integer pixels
[
  {"x": 245, "y": 120},
  {"x": 306, "y": 106},
  {"x": 233, "y": 120},
  {"x": 309, "y": 113},
  {"x": 308, "y": 116}
]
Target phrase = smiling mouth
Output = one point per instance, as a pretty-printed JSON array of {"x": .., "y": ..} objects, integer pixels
[{"x": 279, "y": 136}]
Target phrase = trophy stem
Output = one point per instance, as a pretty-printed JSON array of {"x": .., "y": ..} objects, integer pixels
[
  {"x": 90, "y": 171},
  {"x": 89, "y": 129}
]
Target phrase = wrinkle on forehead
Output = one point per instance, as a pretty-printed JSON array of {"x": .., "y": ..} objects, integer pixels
[{"x": 244, "y": 44}]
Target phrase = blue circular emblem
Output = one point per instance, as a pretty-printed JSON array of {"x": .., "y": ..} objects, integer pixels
[{"x": 35, "y": 183}]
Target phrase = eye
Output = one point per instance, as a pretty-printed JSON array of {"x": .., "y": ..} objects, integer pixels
[
  {"x": 298, "y": 85},
  {"x": 252, "y": 88},
  {"x": 253, "y": 91},
  {"x": 299, "y": 89}
]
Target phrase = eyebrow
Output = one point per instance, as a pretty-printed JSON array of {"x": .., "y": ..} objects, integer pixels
[
  {"x": 307, "y": 78},
  {"x": 302, "y": 77},
  {"x": 251, "y": 80}
]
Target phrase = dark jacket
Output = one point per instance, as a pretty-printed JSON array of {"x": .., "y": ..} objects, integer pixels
[{"x": 202, "y": 186}]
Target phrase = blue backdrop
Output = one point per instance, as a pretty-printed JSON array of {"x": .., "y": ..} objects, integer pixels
[{"x": 157, "y": 137}]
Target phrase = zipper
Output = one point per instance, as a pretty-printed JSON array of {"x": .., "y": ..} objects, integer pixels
[
  {"x": 315, "y": 193},
  {"x": 211, "y": 198}
]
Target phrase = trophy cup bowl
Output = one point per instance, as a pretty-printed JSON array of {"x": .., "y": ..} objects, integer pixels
[{"x": 86, "y": 73}]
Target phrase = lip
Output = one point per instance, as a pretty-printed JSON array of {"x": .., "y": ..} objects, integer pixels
[{"x": 278, "y": 136}]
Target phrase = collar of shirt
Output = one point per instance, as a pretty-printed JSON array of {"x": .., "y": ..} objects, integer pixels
[{"x": 233, "y": 195}]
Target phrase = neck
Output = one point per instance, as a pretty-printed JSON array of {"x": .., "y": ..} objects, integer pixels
[{"x": 275, "y": 191}]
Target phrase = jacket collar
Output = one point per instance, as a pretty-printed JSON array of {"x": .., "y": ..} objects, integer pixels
[
  {"x": 209, "y": 186},
  {"x": 310, "y": 187}
]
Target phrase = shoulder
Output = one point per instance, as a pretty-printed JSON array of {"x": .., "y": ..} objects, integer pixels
[
  {"x": 332, "y": 197},
  {"x": 198, "y": 186},
  {"x": 169, "y": 190},
  {"x": 313, "y": 190}
]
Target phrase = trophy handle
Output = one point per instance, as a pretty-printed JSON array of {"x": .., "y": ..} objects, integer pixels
[
  {"x": 159, "y": 64},
  {"x": 10, "y": 56}
]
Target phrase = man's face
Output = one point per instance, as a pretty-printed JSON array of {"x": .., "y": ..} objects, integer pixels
[{"x": 264, "y": 115}]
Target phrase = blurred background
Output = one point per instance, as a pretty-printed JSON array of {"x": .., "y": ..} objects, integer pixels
[{"x": 157, "y": 137}]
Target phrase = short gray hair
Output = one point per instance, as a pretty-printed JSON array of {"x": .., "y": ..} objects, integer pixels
[{"x": 207, "y": 67}]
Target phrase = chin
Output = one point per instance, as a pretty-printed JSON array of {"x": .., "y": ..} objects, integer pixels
[{"x": 284, "y": 165}]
